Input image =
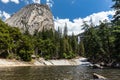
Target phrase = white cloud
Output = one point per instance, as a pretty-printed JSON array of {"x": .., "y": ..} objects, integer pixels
[
  {"x": 101, "y": 16},
  {"x": 4, "y": 15},
  {"x": 75, "y": 26},
  {"x": 37, "y": 1},
  {"x": 15, "y": 1},
  {"x": 49, "y": 3},
  {"x": 6, "y": 1}
]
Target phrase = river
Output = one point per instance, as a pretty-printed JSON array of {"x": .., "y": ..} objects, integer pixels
[{"x": 56, "y": 73}]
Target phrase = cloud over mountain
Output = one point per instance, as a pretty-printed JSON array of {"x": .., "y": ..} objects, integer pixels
[
  {"x": 4, "y": 15},
  {"x": 49, "y": 3},
  {"x": 37, "y": 1}
]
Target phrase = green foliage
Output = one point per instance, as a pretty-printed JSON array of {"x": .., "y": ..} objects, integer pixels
[
  {"x": 81, "y": 48},
  {"x": 116, "y": 29},
  {"x": 25, "y": 55},
  {"x": 65, "y": 31},
  {"x": 100, "y": 43},
  {"x": 53, "y": 45},
  {"x": 5, "y": 39},
  {"x": 116, "y": 7},
  {"x": 74, "y": 43},
  {"x": 13, "y": 43},
  {"x": 48, "y": 43},
  {"x": 25, "y": 48},
  {"x": 68, "y": 56}
]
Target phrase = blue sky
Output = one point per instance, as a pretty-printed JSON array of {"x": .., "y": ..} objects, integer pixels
[
  {"x": 79, "y": 8},
  {"x": 72, "y": 12}
]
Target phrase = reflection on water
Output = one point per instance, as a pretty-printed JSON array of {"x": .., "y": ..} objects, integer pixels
[{"x": 55, "y": 73}]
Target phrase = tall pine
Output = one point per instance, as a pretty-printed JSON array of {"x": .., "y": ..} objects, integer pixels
[{"x": 116, "y": 30}]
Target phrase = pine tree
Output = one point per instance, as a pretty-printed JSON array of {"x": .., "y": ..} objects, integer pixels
[
  {"x": 81, "y": 49},
  {"x": 65, "y": 31},
  {"x": 116, "y": 26},
  {"x": 5, "y": 39},
  {"x": 74, "y": 44},
  {"x": 116, "y": 17}
]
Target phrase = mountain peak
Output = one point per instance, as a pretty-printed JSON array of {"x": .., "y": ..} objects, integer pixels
[{"x": 32, "y": 17}]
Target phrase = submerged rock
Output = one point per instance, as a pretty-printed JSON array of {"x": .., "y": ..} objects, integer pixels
[{"x": 98, "y": 77}]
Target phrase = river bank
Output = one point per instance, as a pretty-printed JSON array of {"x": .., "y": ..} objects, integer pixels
[{"x": 42, "y": 62}]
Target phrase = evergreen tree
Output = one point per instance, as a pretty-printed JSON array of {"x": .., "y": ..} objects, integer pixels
[
  {"x": 116, "y": 26},
  {"x": 74, "y": 44},
  {"x": 81, "y": 49},
  {"x": 25, "y": 49},
  {"x": 116, "y": 17},
  {"x": 92, "y": 43},
  {"x": 65, "y": 31},
  {"x": 5, "y": 40},
  {"x": 47, "y": 44}
]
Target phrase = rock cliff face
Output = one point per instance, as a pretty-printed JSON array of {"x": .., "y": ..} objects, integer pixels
[{"x": 32, "y": 17}]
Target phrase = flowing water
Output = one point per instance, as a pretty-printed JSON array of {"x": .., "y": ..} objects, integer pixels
[{"x": 56, "y": 73}]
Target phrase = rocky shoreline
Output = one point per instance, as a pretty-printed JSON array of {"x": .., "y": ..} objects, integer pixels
[
  {"x": 110, "y": 65},
  {"x": 42, "y": 62}
]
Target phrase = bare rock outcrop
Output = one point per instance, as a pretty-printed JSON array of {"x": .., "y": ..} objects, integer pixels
[{"x": 32, "y": 17}]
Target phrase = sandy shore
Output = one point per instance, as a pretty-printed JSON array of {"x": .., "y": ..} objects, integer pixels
[{"x": 40, "y": 62}]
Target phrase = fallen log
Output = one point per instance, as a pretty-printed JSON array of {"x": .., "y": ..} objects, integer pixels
[{"x": 97, "y": 76}]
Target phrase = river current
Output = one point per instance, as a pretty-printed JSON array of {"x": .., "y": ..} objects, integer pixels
[{"x": 56, "y": 73}]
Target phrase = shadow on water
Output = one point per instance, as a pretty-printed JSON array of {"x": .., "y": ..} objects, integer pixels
[{"x": 51, "y": 73}]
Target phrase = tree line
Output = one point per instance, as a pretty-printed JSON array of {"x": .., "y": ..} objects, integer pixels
[
  {"x": 98, "y": 43},
  {"x": 48, "y": 44},
  {"x": 102, "y": 42}
]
